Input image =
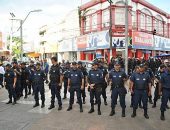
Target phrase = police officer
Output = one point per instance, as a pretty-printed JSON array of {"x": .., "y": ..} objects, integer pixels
[
  {"x": 165, "y": 89},
  {"x": 157, "y": 79},
  {"x": 75, "y": 84},
  {"x": 95, "y": 78},
  {"x": 84, "y": 71},
  {"x": 142, "y": 83},
  {"x": 56, "y": 78},
  {"x": 18, "y": 76},
  {"x": 10, "y": 83},
  {"x": 66, "y": 71},
  {"x": 104, "y": 70},
  {"x": 117, "y": 79},
  {"x": 31, "y": 69},
  {"x": 24, "y": 79},
  {"x": 38, "y": 84}
]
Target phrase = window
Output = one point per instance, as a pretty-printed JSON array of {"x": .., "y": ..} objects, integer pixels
[
  {"x": 161, "y": 27},
  {"x": 105, "y": 18},
  {"x": 134, "y": 19},
  {"x": 94, "y": 21},
  {"x": 87, "y": 23},
  {"x": 149, "y": 23},
  {"x": 166, "y": 30},
  {"x": 119, "y": 16},
  {"x": 142, "y": 22}
]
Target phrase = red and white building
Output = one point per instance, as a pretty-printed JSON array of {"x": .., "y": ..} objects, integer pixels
[{"x": 143, "y": 19}]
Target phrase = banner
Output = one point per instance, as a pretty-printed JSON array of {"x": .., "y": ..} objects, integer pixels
[
  {"x": 67, "y": 45},
  {"x": 141, "y": 40},
  {"x": 161, "y": 43}
]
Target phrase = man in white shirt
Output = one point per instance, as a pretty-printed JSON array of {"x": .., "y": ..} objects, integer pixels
[{"x": 2, "y": 72}]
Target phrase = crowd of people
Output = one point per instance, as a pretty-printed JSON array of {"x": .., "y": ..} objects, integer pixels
[{"x": 20, "y": 80}]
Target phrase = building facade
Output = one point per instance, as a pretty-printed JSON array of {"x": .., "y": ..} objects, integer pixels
[{"x": 148, "y": 30}]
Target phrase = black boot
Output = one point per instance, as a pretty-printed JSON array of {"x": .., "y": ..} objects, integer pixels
[
  {"x": 99, "y": 111},
  {"x": 51, "y": 106},
  {"x": 42, "y": 105},
  {"x": 64, "y": 96},
  {"x": 134, "y": 113},
  {"x": 36, "y": 104},
  {"x": 123, "y": 113},
  {"x": 162, "y": 116},
  {"x": 105, "y": 102},
  {"x": 92, "y": 109},
  {"x": 25, "y": 97},
  {"x": 69, "y": 108},
  {"x": 150, "y": 100},
  {"x": 10, "y": 101},
  {"x": 60, "y": 107},
  {"x": 14, "y": 102},
  {"x": 81, "y": 108},
  {"x": 154, "y": 105},
  {"x": 146, "y": 114},
  {"x": 84, "y": 101},
  {"x": 112, "y": 112}
]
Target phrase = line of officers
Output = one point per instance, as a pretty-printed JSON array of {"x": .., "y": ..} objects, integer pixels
[{"x": 97, "y": 79}]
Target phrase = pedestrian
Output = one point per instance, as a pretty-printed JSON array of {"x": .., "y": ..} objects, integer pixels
[
  {"x": 117, "y": 79},
  {"x": 10, "y": 83},
  {"x": 165, "y": 89},
  {"x": 75, "y": 84},
  {"x": 38, "y": 84},
  {"x": 31, "y": 69},
  {"x": 24, "y": 79},
  {"x": 66, "y": 71},
  {"x": 95, "y": 78},
  {"x": 46, "y": 70},
  {"x": 85, "y": 74},
  {"x": 18, "y": 82},
  {"x": 157, "y": 79},
  {"x": 142, "y": 83},
  {"x": 2, "y": 72},
  {"x": 56, "y": 78}
]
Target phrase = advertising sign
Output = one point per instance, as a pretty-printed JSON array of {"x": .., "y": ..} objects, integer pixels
[
  {"x": 161, "y": 43},
  {"x": 141, "y": 40}
]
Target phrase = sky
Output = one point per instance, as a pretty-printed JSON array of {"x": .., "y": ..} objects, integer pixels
[{"x": 52, "y": 11}]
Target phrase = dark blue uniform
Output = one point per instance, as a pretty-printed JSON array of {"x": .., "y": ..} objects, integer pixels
[
  {"x": 9, "y": 80},
  {"x": 95, "y": 77},
  {"x": 104, "y": 84},
  {"x": 24, "y": 81},
  {"x": 31, "y": 69},
  {"x": 141, "y": 83},
  {"x": 75, "y": 77},
  {"x": 38, "y": 84},
  {"x": 117, "y": 78},
  {"x": 66, "y": 72},
  {"x": 55, "y": 73},
  {"x": 165, "y": 81}
]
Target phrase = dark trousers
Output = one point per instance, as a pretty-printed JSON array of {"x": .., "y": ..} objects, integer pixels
[
  {"x": 156, "y": 94},
  {"x": 11, "y": 92},
  {"x": 55, "y": 92},
  {"x": 104, "y": 91},
  {"x": 65, "y": 87},
  {"x": 121, "y": 92},
  {"x": 78, "y": 92},
  {"x": 30, "y": 85},
  {"x": 37, "y": 89},
  {"x": 165, "y": 98},
  {"x": 140, "y": 95},
  {"x": 24, "y": 86},
  {"x": 96, "y": 92},
  {"x": 1, "y": 79},
  {"x": 18, "y": 88}
]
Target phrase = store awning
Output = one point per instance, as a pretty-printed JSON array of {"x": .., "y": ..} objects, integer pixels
[{"x": 33, "y": 54}]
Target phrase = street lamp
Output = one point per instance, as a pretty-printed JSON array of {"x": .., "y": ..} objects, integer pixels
[
  {"x": 21, "y": 29},
  {"x": 110, "y": 29},
  {"x": 126, "y": 36}
]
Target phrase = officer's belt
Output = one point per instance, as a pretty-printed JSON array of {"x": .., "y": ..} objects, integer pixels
[{"x": 117, "y": 86}]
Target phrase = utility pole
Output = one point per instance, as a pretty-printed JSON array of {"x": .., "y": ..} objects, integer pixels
[
  {"x": 126, "y": 36},
  {"x": 110, "y": 29},
  {"x": 21, "y": 37}
]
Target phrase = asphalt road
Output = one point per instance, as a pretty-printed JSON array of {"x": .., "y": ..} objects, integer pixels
[{"x": 23, "y": 116}]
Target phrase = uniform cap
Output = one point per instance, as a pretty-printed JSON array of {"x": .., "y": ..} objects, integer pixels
[
  {"x": 117, "y": 63},
  {"x": 95, "y": 63},
  {"x": 23, "y": 63},
  {"x": 142, "y": 65},
  {"x": 74, "y": 63},
  {"x": 80, "y": 63},
  {"x": 8, "y": 65}
]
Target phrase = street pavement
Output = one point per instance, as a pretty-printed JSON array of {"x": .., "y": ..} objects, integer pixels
[{"x": 24, "y": 117}]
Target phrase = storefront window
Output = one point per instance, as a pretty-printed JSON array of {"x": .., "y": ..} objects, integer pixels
[
  {"x": 87, "y": 23},
  {"x": 94, "y": 21},
  {"x": 142, "y": 25},
  {"x": 105, "y": 18},
  {"x": 149, "y": 23},
  {"x": 119, "y": 16}
]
